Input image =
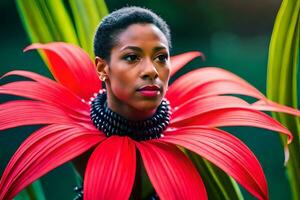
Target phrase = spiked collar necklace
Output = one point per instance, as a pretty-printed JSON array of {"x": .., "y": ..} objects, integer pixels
[{"x": 111, "y": 123}]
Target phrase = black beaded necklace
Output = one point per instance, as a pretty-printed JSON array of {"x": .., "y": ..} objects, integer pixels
[{"x": 112, "y": 123}]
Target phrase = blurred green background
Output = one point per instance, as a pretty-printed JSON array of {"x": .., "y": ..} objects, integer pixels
[{"x": 233, "y": 34}]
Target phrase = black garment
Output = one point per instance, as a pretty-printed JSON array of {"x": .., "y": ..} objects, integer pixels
[{"x": 79, "y": 194}]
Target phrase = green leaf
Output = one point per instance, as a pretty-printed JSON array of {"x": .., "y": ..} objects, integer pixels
[
  {"x": 49, "y": 21},
  {"x": 32, "y": 192},
  {"x": 58, "y": 15},
  {"x": 87, "y": 15},
  {"x": 142, "y": 187},
  {"x": 219, "y": 185},
  {"x": 282, "y": 81},
  {"x": 34, "y": 22}
]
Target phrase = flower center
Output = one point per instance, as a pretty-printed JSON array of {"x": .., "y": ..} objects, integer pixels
[{"x": 111, "y": 123}]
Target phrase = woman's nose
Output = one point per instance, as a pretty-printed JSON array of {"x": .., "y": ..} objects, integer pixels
[{"x": 149, "y": 70}]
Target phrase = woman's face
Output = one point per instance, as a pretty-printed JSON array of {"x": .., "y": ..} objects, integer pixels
[{"x": 138, "y": 71}]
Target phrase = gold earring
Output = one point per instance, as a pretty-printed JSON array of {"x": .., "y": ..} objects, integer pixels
[{"x": 102, "y": 77}]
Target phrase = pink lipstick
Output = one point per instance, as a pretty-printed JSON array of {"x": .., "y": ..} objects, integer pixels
[{"x": 149, "y": 90}]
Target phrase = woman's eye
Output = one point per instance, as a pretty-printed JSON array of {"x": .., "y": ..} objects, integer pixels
[
  {"x": 131, "y": 58},
  {"x": 163, "y": 58}
]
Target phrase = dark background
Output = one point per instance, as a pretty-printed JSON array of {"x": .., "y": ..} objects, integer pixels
[{"x": 233, "y": 34}]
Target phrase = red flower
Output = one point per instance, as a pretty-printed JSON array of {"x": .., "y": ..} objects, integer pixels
[{"x": 198, "y": 108}]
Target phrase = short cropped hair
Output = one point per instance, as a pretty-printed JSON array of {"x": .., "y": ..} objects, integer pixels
[{"x": 113, "y": 24}]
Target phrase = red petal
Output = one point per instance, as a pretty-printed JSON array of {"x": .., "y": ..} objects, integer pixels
[
  {"x": 178, "y": 61},
  {"x": 235, "y": 117},
  {"x": 197, "y": 106},
  {"x": 51, "y": 95},
  {"x": 226, "y": 152},
  {"x": 72, "y": 67},
  {"x": 194, "y": 84},
  {"x": 171, "y": 173},
  {"x": 56, "y": 92},
  {"x": 47, "y": 90},
  {"x": 110, "y": 171},
  {"x": 274, "y": 107},
  {"x": 27, "y": 112},
  {"x": 43, "y": 151},
  {"x": 219, "y": 87}
]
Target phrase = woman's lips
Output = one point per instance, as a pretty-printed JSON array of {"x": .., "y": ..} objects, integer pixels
[{"x": 149, "y": 90}]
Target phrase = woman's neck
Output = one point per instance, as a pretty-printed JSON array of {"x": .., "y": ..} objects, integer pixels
[{"x": 128, "y": 111}]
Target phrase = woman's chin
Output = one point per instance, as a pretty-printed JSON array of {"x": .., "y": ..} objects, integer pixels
[{"x": 148, "y": 106}]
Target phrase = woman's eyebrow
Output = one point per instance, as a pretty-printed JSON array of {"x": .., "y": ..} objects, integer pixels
[
  {"x": 135, "y": 48},
  {"x": 158, "y": 48}
]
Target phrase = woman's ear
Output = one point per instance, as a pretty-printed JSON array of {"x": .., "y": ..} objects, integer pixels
[{"x": 101, "y": 67}]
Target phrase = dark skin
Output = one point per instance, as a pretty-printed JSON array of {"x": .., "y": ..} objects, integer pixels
[
  {"x": 140, "y": 58},
  {"x": 136, "y": 76}
]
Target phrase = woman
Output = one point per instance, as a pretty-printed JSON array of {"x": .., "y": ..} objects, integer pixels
[
  {"x": 136, "y": 111},
  {"x": 132, "y": 58}
]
